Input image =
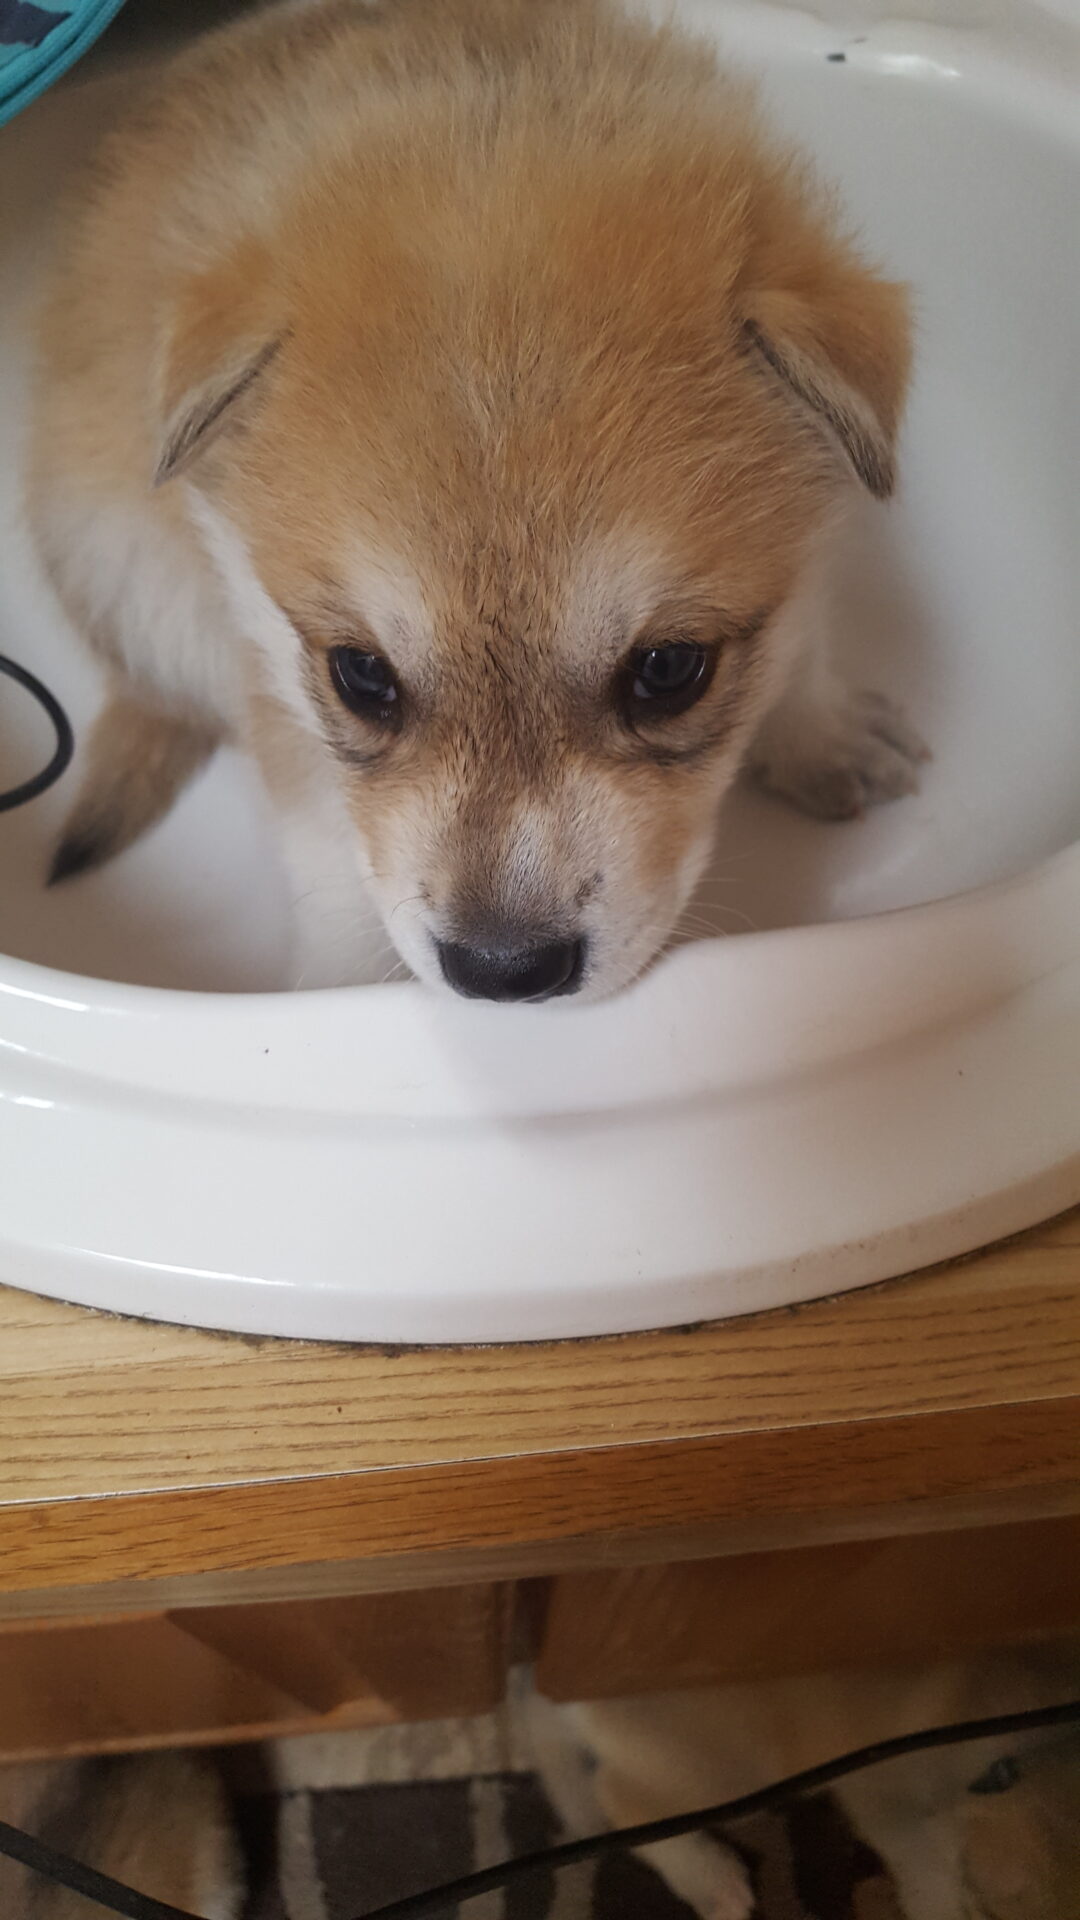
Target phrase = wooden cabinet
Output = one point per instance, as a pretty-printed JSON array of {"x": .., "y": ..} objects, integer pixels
[
  {"x": 243, "y": 1672},
  {"x": 205, "y": 1538},
  {"x": 860, "y": 1603},
  {"x": 236, "y": 1673}
]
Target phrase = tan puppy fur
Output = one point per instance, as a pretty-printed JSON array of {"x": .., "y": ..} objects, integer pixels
[
  {"x": 614, "y": 1763},
  {"x": 492, "y": 340},
  {"x": 158, "y": 1822}
]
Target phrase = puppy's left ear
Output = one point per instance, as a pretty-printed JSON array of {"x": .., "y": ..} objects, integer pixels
[
  {"x": 836, "y": 335},
  {"x": 222, "y": 332}
]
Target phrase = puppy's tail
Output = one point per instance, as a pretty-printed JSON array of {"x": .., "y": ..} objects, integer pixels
[{"x": 138, "y": 760}]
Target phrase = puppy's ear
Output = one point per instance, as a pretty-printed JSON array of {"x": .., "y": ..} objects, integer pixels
[
  {"x": 836, "y": 335},
  {"x": 222, "y": 336}
]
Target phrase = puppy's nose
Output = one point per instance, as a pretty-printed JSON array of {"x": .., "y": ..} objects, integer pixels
[{"x": 513, "y": 969}]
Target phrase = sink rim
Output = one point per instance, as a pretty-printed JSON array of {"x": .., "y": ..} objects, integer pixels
[{"x": 871, "y": 982}]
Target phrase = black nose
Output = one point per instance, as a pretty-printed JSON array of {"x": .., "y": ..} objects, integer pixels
[{"x": 513, "y": 970}]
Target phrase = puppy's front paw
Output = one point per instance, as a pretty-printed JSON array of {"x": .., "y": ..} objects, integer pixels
[
  {"x": 736, "y": 1905},
  {"x": 709, "y": 1875},
  {"x": 732, "y": 1897},
  {"x": 863, "y": 754}
]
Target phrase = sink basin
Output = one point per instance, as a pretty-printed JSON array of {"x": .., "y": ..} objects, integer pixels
[{"x": 863, "y": 1053}]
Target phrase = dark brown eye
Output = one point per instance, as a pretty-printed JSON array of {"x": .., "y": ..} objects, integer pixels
[
  {"x": 366, "y": 683},
  {"x": 668, "y": 679}
]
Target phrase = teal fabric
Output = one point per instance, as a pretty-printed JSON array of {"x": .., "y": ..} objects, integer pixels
[{"x": 38, "y": 43}]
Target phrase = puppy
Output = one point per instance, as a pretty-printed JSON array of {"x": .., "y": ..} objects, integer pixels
[
  {"x": 159, "y": 1822},
  {"x": 953, "y": 1854},
  {"x": 455, "y": 401}
]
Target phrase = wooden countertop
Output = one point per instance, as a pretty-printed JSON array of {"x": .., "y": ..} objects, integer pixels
[{"x": 147, "y": 1465}]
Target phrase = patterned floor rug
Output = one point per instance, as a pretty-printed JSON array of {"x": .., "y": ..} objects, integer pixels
[
  {"x": 333, "y": 1854},
  {"x": 342, "y": 1823},
  {"x": 334, "y": 1826}
]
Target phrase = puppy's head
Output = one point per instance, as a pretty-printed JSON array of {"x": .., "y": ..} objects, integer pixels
[{"x": 514, "y": 448}]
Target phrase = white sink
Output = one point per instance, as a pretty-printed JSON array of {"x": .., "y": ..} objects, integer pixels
[{"x": 885, "y": 1071}]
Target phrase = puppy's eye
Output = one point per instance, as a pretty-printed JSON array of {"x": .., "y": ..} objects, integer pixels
[
  {"x": 667, "y": 679},
  {"x": 365, "y": 682}
]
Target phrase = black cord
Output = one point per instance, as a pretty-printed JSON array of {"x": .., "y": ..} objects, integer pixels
[
  {"x": 65, "y": 739},
  {"x": 116, "y": 1898}
]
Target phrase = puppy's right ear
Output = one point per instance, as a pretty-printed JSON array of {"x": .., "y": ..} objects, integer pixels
[{"x": 223, "y": 335}]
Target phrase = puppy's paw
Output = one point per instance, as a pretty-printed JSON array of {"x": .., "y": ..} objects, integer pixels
[
  {"x": 710, "y": 1876},
  {"x": 861, "y": 755},
  {"x": 736, "y": 1904},
  {"x": 732, "y": 1896}
]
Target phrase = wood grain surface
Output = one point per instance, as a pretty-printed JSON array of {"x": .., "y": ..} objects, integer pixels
[
  {"x": 812, "y": 1609},
  {"x": 134, "y": 1453}
]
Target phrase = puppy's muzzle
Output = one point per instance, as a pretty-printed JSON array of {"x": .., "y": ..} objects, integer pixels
[{"x": 513, "y": 967}]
